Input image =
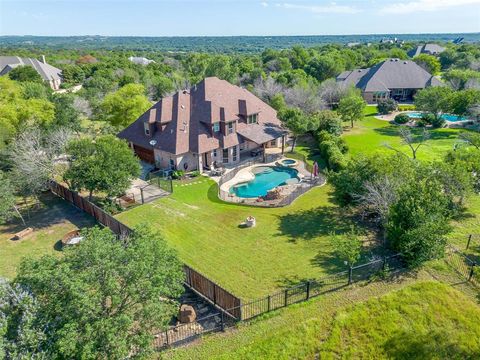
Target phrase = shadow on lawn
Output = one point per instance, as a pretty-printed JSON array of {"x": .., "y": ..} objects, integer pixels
[
  {"x": 434, "y": 134},
  {"x": 49, "y": 212},
  {"x": 308, "y": 224}
]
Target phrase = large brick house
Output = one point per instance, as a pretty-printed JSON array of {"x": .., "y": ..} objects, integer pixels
[
  {"x": 392, "y": 78},
  {"x": 213, "y": 121}
]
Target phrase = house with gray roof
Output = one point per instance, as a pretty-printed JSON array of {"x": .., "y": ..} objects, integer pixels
[
  {"x": 213, "y": 122},
  {"x": 429, "y": 49},
  {"x": 49, "y": 73},
  {"x": 392, "y": 78}
]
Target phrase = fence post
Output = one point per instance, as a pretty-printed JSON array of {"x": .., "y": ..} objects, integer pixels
[
  {"x": 214, "y": 294},
  {"x": 166, "y": 336},
  {"x": 472, "y": 269},
  {"x": 269, "y": 306},
  {"x": 350, "y": 275},
  {"x": 141, "y": 194},
  {"x": 308, "y": 290},
  {"x": 222, "y": 321},
  {"x": 468, "y": 242},
  {"x": 286, "y": 297}
]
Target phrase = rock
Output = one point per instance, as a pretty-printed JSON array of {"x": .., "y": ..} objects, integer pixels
[
  {"x": 187, "y": 314},
  {"x": 273, "y": 194}
]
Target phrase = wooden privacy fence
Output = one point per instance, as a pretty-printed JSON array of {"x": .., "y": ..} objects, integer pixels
[
  {"x": 100, "y": 215},
  {"x": 213, "y": 292},
  {"x": 209, "y": 290}
]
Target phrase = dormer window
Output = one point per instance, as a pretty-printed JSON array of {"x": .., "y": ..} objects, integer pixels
[
  {"x": 216, "y": 127},
  {"x": 230, "y": 128},
  {"x": 252, "y": 119},
  {"x": 146, "y": 127}
]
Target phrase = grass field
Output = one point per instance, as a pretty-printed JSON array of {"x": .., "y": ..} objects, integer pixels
[
  {"x": 51, "y": 220},
  {"x": 287, "y": 245},
  {"x": 384, "y": 320},
  {"x": 370, "y": 134}
]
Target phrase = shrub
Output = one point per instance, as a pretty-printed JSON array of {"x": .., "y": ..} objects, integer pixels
[
  {"x": 402, "y": 118},
  {"x": 178, "y": 174},
  {"x": 386, "y": 106},
  {"x": 406, "y": 107},
  {"x": 421, "y": 123},
  {"x": 336, "y": 160},
  {"x": 195, "y": 173},
  {"x": 325, "y": 136}
]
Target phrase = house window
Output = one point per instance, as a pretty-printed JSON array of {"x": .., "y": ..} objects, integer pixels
[
  {"x": 225, "y": 156},
  {"x": 230, "y": 128},
  {"x": 146, "y": 126},
  {"x": 252, "y": 119},
  {"x": 216, "y": 127},
  {"x": 172, "y": 164},
  {"x": 214, "y": 153},
  {"x": 234, "y": 153},
  {"x": 273, "y": 143}
]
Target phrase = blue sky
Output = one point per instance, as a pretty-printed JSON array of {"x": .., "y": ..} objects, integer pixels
[{"x": 235, "y": 17}]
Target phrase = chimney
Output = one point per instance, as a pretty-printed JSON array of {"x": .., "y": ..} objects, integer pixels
[
  {"x": 151, "y": 121},
  {"x": 43, "y": 59}
]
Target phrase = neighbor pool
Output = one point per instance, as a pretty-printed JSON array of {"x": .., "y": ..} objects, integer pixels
[
  {"x": 446, "y": 117},
  {"x": 266, "y": 178}
]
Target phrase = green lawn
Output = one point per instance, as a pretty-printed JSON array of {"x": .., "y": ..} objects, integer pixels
[
  {"x": 288, "y": 244},
  {"x": 384, "y": 320},
  {"x": 370, "y": 134},
  {"x": 52, "y": 219}
]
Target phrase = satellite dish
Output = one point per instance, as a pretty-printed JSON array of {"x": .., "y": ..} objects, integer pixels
[{"x": 153, "y": 142}]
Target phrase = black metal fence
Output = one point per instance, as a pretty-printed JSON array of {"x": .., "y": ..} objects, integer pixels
[
  {"x": 158, "y": 179},
  {"x": 463, "y": 265},
  {"x": 185, "y": 333}
]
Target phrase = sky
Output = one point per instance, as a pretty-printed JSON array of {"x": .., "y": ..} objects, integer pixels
[{"x": 236, "y": 17}]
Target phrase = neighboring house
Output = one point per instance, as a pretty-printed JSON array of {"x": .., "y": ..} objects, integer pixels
[
  {"x": 392, "y": 78},
  {"x": 49, "y": 73},
  {"x": 140, "y": 60},
  {"x": 429, "y": 49},
  {"x": 212, "y": 122}
]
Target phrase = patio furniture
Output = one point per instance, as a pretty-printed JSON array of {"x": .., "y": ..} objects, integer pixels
[{"x": 251, "y": 221}]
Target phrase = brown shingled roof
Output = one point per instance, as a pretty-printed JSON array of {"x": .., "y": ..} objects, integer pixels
[{"x": 184, "y": 120}]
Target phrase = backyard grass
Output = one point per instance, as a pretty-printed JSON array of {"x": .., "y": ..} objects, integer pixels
[
  {"x": 51, "y": 220},
  {"x": 370, "y": 134},
  {"x": 288, "y": 244},
  {"x": 410, "y": 317}
]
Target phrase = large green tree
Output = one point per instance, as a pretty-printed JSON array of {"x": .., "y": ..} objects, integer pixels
[
  {"x": 435, "y": 100},
  {"x": 105, "y": 164},
  {"x": 351, "y": 108},
  {"x": 125, "y": 105},
  {"x": 25, "y": 73},
  {"x": 428, "y": 62},
  {"x": 105, "y": 298},
  {"x": 297, "y": 122}
]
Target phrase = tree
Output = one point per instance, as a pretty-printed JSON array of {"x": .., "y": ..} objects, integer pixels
[
  {"x": 104, "y": 165},
  {"x": 33, "y": 90},
  {"x": 463, "y": 101},
  {"x": 8, "y": 202},
  {"x": 25, "y": 73},
  {"x": 21, "y": 335},
  {"x": 329, "y": 121},
  {"x": 351, "y": 108},
  {"x": 324, "y": 67},
  {"x": 386, "y": 106},
  {"x": 105, "y": 297},
  {"x": 459, "y": 79},
  {"x": 418, "y": 220},
  {"x": 435, "y": 100},
  {"x": 304, "y": 97},
  {"x": 413, "y": 142},
  {"x": 471, "y": 138},
  {"x": 347, "y": 247},
  {"x": 296, "y": 122},
  {"x": 124, "y": 106},
  {"x": 66, "y": 115},
  {"x": 428, "y": 62}
]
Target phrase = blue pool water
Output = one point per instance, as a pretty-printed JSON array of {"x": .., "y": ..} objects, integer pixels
[
  {"x": 447, "y": 117},
  {"x": 266, "y": 178}
]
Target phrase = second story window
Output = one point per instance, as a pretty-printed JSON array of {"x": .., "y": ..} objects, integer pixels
[
  {"x": 216, "y": 127},
  {"x": 230, "y": 128},
  {"x": 252, "y": 119}
]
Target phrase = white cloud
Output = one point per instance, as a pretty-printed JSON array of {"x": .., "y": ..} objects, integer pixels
[
  {"x": 424, "y": 5},
  {"x": 264, "y": 4},
  {"x": 331, "y": 8}
]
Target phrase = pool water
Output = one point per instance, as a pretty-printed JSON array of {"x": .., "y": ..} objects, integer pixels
[
  {"x": 288, "y": 162},
  {"x": 266, "y": 178},
  {"x": 446, "y": 117}
]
